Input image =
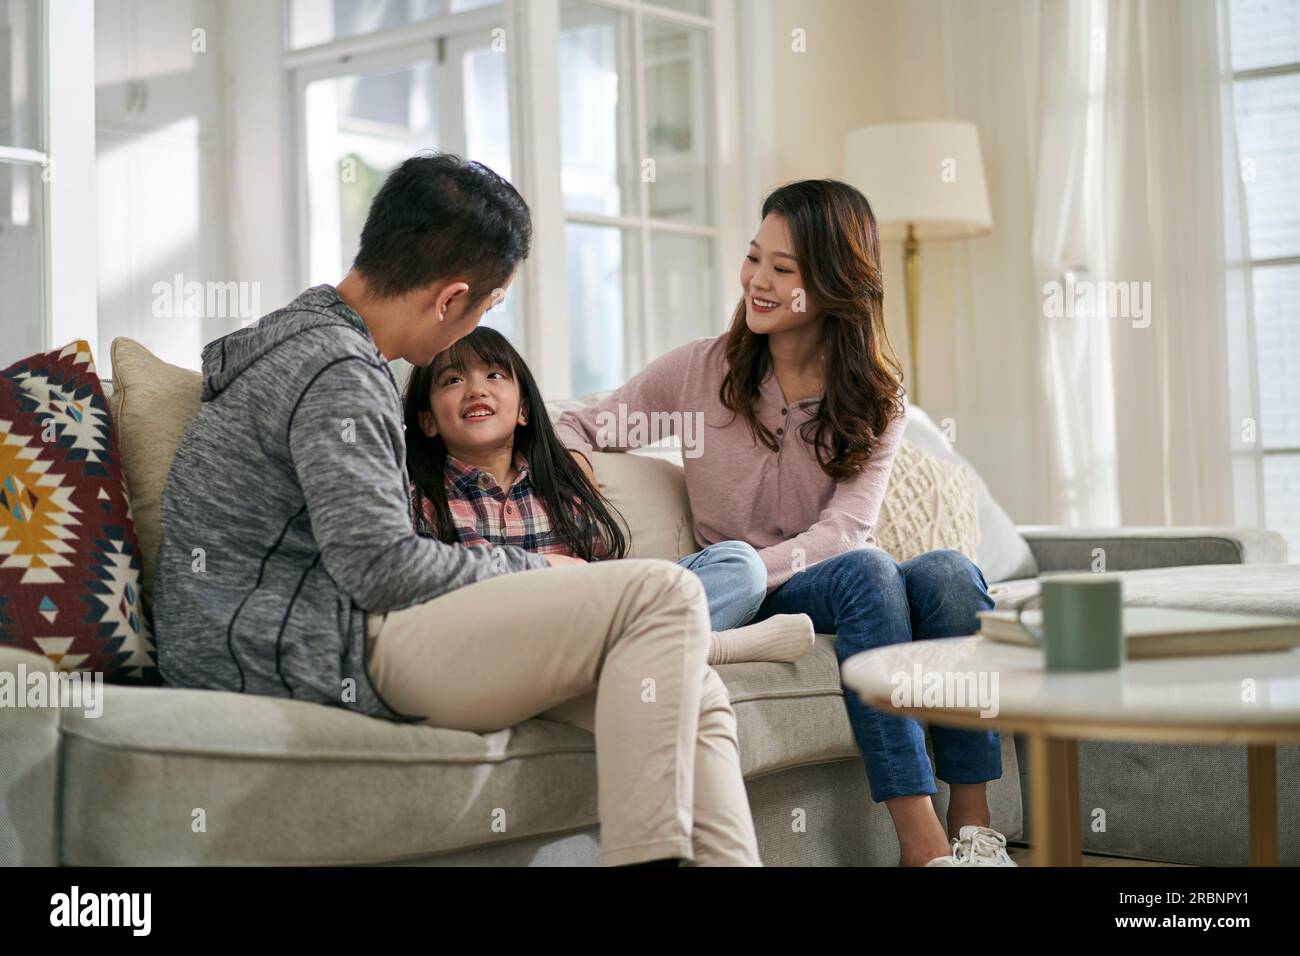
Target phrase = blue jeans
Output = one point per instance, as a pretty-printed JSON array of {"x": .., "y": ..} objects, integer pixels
[
  {"x": 734, "y": 579},
  {"x": 867, "y": 599}
]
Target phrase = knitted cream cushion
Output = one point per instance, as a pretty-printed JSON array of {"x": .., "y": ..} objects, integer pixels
[{"x": 929, "y": 504}]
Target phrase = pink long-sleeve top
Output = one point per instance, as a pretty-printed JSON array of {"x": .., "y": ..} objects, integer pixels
[{"x": 781, "y": 502}]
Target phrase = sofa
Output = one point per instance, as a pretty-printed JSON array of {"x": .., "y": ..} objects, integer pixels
[{"x": 174, "y": 776}]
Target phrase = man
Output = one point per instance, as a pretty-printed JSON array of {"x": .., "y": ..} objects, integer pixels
[{"x": 290, "y": 565}]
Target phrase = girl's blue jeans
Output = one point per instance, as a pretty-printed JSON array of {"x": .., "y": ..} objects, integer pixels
[
  {"x": 734, "y": 579},
  {"x": 867, "y": 600}
]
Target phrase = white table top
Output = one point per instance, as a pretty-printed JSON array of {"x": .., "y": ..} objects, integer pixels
[{"x": 1184, "y": 698}]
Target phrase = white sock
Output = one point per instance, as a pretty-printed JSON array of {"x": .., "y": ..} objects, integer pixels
[{"x": 781, "y": 637}]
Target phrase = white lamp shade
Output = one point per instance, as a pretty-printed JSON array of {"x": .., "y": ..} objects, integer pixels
[{"x": 927, "y": 174}]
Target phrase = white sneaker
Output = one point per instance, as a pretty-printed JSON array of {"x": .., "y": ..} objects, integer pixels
[{"x": 976, "y": 846}]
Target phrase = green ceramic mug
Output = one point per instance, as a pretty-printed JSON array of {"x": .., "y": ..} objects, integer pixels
[{"x": 1083, "y": 622}]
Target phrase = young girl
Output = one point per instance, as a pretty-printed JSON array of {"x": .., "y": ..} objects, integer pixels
[
  {"x": 804, "y": 409},
  {"x": 487, "y": 468}
]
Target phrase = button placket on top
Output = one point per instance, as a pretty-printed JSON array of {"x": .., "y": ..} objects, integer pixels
[{"x": 511, "y": 520}]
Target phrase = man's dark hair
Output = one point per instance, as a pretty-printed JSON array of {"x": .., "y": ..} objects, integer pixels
[{"x": 438, "y": 216}]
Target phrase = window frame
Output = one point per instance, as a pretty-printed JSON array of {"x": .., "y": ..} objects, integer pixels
[
  {"x": 1257, "y": 452},
  {"x": 533, "y": 26},
  {"x": 392, "y": 48},
  {"x": 66, "y": 158},
  {"x": 641, "y": 224}
]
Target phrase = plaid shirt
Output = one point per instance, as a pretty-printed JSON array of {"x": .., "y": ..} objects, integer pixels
[{"x": 484, "y": 514}]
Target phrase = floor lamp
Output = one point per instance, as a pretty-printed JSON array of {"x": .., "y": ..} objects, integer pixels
[{"x": 925, "y": 181}]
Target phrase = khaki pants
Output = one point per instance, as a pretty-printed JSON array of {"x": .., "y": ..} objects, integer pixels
[{"x": 618, "y": 648}]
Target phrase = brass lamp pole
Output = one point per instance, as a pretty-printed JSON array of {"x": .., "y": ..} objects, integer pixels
[
  {"x": 912, "y": 281},
  {"x": 924, "y": 180}
]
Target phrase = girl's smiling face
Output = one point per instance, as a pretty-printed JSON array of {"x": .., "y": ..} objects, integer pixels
[{"x": 474, "y": 407}]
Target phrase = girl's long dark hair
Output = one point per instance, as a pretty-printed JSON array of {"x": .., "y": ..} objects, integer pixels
[
  {"x": 838, "y": 250},
  {"x": 575, "y": 507}
]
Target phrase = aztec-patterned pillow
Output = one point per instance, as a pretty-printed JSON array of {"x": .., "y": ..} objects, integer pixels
[{"x": 69, "y": 559}]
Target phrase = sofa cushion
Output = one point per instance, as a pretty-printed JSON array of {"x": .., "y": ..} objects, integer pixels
[
  {"x": 1002, "y": 554},
  {"x": 789, "y": 715},
  {"x": 69, "y": 559},
  {"x": 152, "y": 404},
  {"x": 283, "y": 781},
  {"x": 929, "y": 504}
]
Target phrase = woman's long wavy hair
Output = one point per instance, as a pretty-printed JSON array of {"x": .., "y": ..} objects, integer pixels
[
  {"x": 575, "y": 507},
  {"x": 838, "y": 251}
]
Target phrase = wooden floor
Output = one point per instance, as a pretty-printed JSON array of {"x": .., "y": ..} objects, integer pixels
[{"x": 1024, "y": 856}]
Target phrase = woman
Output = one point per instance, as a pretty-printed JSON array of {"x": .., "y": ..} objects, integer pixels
[{"x": 803, "y": 413}]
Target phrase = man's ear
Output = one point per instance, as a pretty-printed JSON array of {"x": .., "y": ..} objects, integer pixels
[
  {"x": 453, "y": 293},
  {"x": 428, "y": 425}
]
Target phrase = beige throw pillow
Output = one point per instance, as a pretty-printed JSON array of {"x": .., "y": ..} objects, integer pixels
[
  {"x": 651, "y": 496},
  {"x": 152, "y": 404},
  {"x": 929, "y": 504}
]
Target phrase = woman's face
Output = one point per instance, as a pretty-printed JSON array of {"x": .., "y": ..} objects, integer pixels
[
  {"x": 770, "y": 278},
  {"x": 474, "y": 408}
]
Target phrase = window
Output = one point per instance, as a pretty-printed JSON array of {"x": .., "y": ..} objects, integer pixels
[
  {"x": 636, "y": 88},
  {"x": 605, "y": 113},
  {"x": 1266, "y": 93},
  {"x": 360, "y": 115},
  {"x": 23, "y": 178},
  {"x": 47, "y": 177}
]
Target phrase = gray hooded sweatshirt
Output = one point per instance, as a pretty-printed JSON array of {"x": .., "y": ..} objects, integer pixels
[{"x": 286, "y": 516}]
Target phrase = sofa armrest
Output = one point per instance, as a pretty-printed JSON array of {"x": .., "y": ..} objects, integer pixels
[
  {"x": 29, "y": 756},
  {"x": 1132, "y": 548}
]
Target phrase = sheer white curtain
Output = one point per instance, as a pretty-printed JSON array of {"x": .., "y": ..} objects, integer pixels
[
  {"x": 1118, "y": 124},
  {"x": 1164, "y": 223},
  {"x": 1068, "y": 225}
]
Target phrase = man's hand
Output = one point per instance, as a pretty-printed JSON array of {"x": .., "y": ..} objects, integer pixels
[
  {"x": 585, "y": 466},
  {"x": 562, "y": 560}
]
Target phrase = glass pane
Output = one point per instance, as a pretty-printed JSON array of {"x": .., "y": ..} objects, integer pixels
[
  {"x": 358, "y": 129},
  {"x": 679, "y": 91},
  {"x": 502, "y": 316},
  {"x": 1265, "y": 33},
  {"x": 681, "y": 291},
  {"x": 1282, "y": 500},
  {"x": 602, "y": 283},
  {"x": 22, "y": 261},
  {"x": 20, "y": 74},
  {"x": 487, "y": 140},
  {"x": 1277, "y": 339},
  {"x": 701, "y": 8},
  {"x": 1268, "y": 133},
  {"x": 597, "y": 139},
  {"x": 487, "y": 109},
  {"x": 319, "y": 21}
]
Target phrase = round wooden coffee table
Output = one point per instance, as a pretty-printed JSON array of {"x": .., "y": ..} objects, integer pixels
[{"x": 1248, "y": 699}]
